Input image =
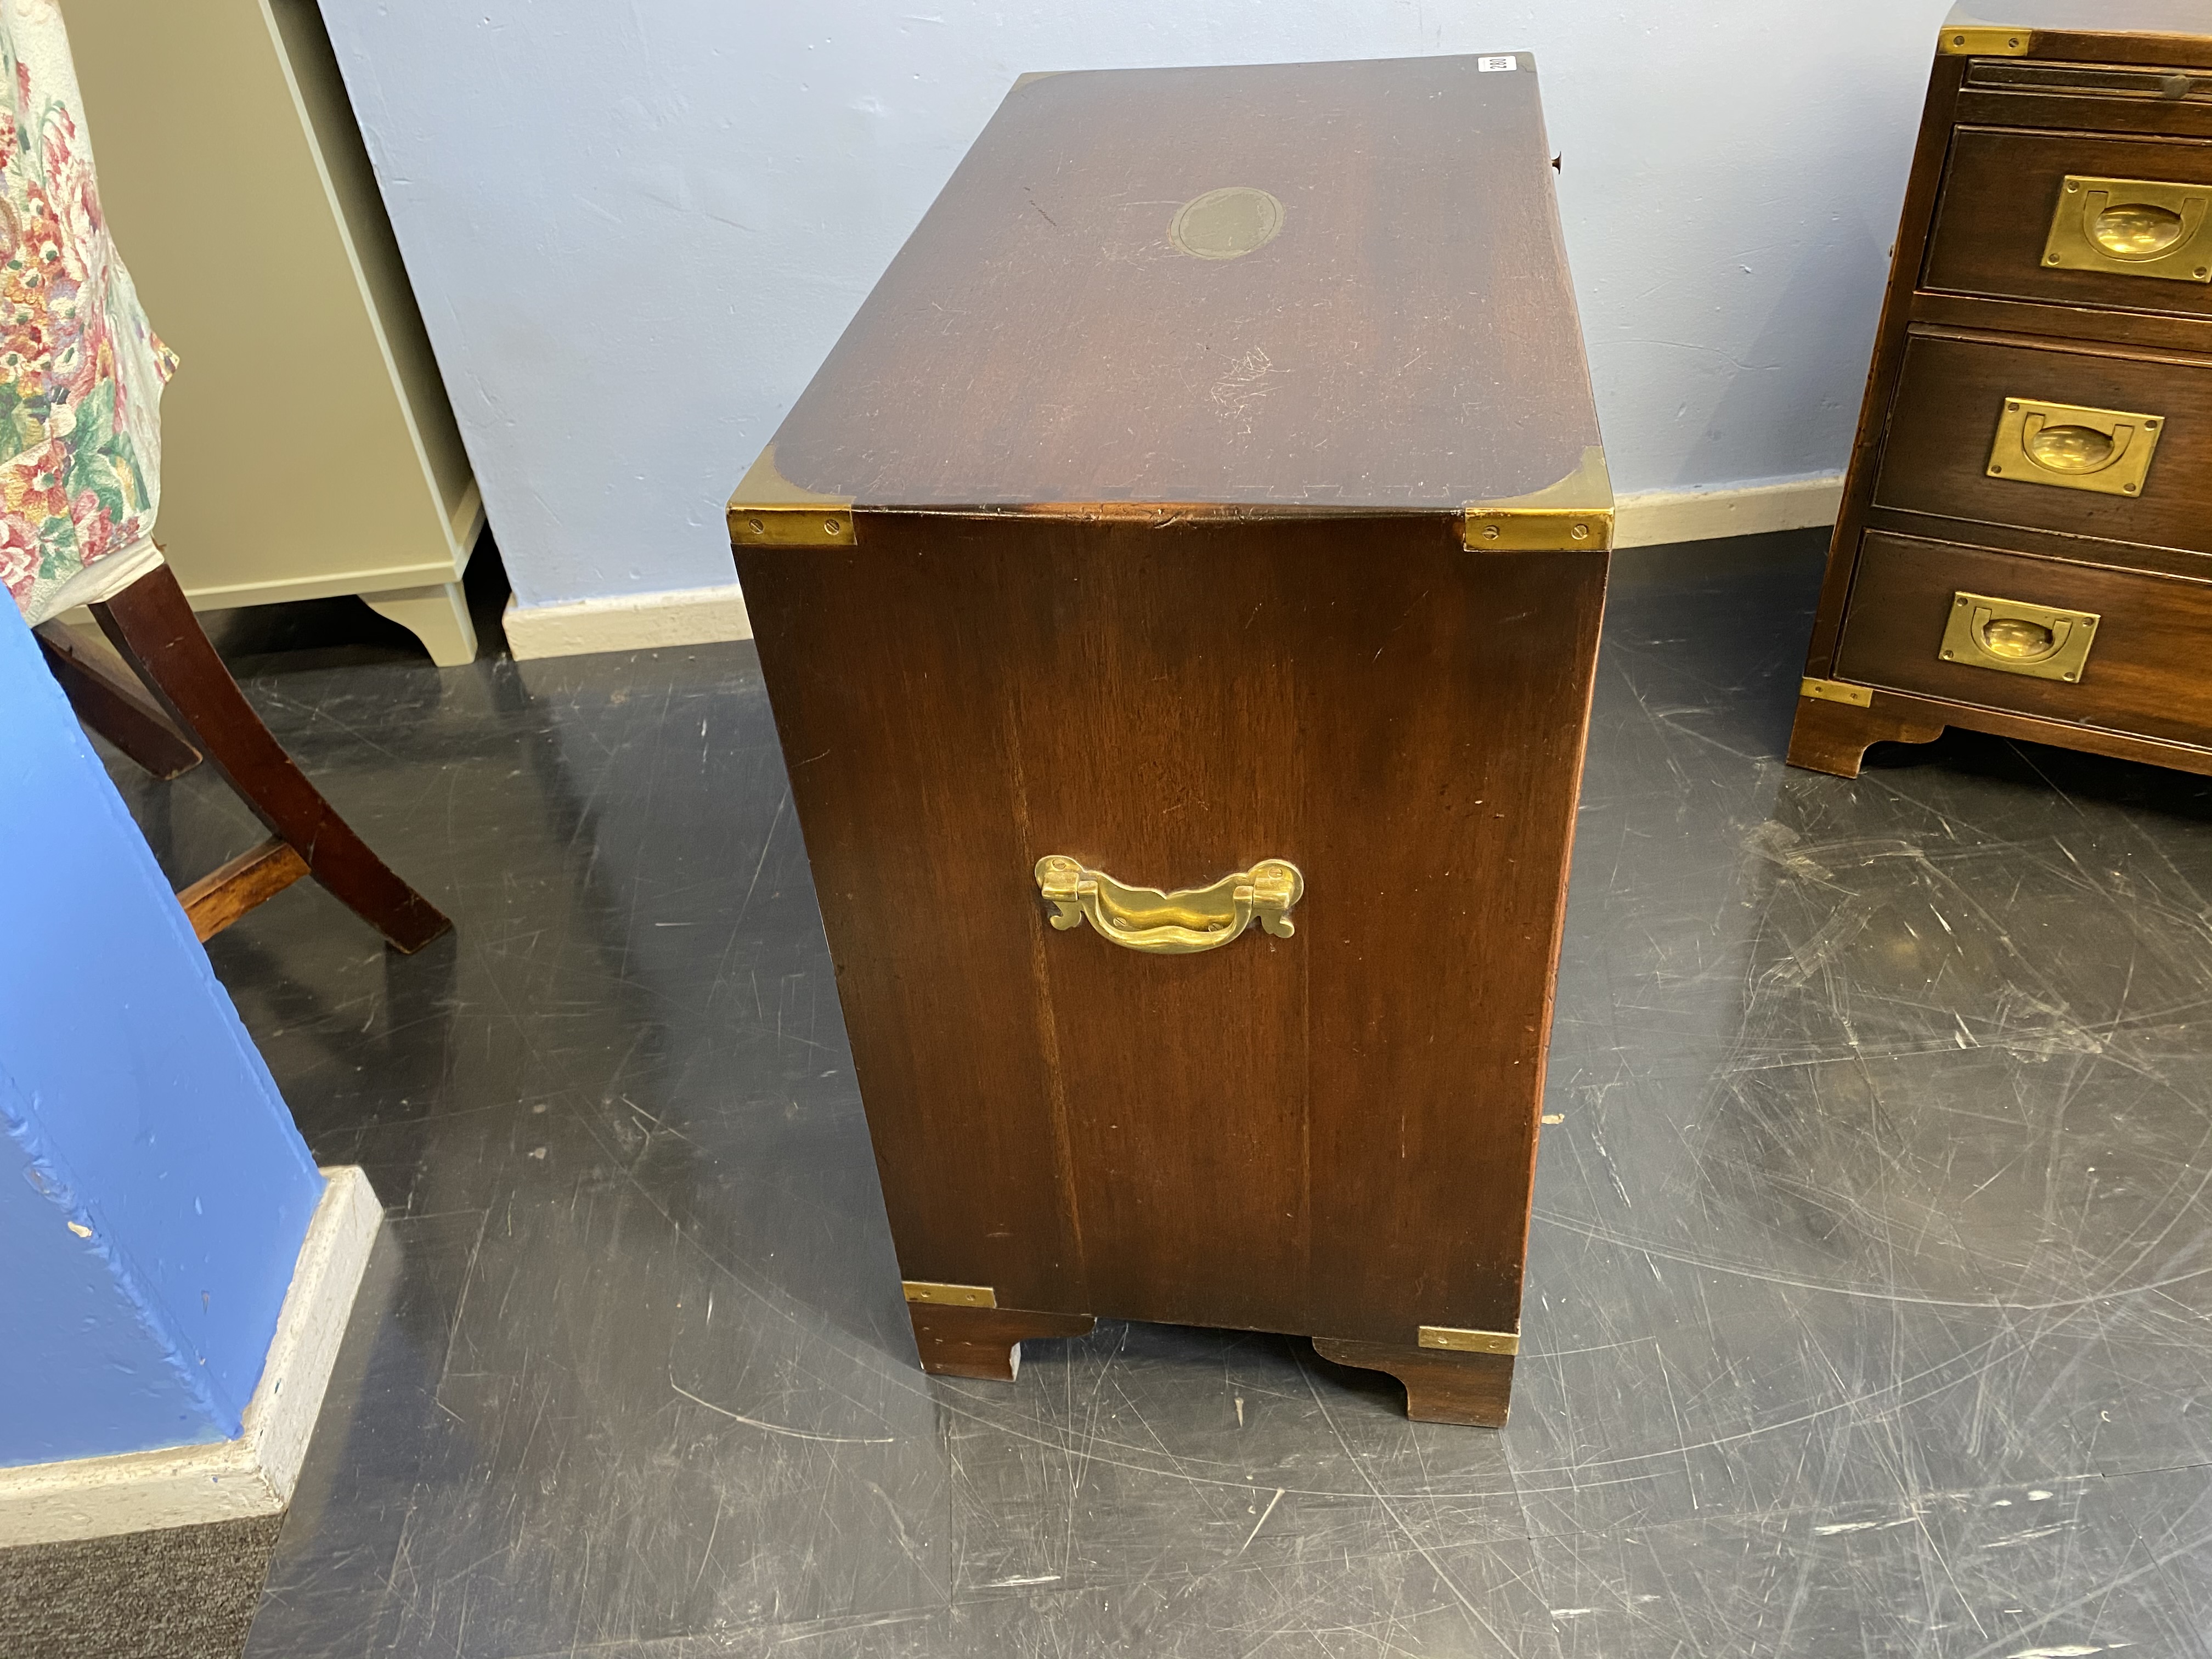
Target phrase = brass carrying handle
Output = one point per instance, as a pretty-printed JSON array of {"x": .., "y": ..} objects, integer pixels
[
  {"x": 2130, "y": 228},
  {"x": 2015, "y": 636},
  {"x": 2136, "y": 233},
  {"x": 2070, "y": 463},
  {"x": 2072, "y": 446},
  {"x": 1180, "y": 923},
  {"x": 2016, "y": 642}
]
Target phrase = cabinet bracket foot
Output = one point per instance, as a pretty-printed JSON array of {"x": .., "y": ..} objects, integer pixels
[
  {"x": 1443, "y": 1385},
  {"x": 983, "y": 1342}
]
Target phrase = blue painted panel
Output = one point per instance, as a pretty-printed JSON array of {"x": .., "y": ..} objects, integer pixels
[
  {"x": 78, "y": 1360},
  {"x": 136, "y": 1099}
]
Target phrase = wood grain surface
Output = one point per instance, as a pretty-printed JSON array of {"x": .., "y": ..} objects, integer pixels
[
  {"x": 1474, "y": 1388},
  {"x": 2145, "y": 672},
  {"x": 1330, "y": 1133},
  {"x": 2045, "y": 543},
  {"x": 1992, "y": 323},
  {"x": 1921, "y": 186},
  {"x": 2151, "y": 18},
  {"x": 2155, "y": 331},
  {"x": 1407, "y": 339},
  {"x": 984, "y": 1343},
  {"x": 1933, "y": 713},
  {"x": 154, "y": 630},
  {"x": 113, "y": 706},
  {"x": 2166, "y": 34},
  {"x": 228, "y": 892},
  {"x": 1833, "y": 736},
  {"x": 1994, "y": 103},
  {"x": 1952, "y": 394},
  {"x": 2000, "y": 193}
]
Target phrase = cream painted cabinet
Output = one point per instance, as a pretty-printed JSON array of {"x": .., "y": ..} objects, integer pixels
[{"x": 308, "y": 448}]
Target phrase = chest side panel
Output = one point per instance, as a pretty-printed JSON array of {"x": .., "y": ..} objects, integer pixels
[
  {"x": 885, "y": 670},
  {"x": 1453, "y": 722},
  {"x": 1330, "y": 1132}
]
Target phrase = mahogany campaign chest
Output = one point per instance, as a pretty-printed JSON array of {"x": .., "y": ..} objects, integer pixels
[
  {"x": 2026, "y": 541},
  {"x": 1178, "y": 592}
]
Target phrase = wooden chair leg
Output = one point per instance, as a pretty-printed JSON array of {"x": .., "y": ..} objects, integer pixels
[
  {"x": 154, "y": 629},
  {"x": 114, "y": 707}
]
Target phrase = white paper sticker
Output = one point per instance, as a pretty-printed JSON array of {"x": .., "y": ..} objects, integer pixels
[{"x": 1490, "y": 65}]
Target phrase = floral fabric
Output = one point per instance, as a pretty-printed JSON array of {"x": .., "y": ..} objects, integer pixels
[{"x": 80, "y": 371}]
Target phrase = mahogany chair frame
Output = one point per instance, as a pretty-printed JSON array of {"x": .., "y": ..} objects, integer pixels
[{"x": 202, "y": 713}]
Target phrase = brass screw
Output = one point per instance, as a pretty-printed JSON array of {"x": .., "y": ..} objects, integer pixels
[
  {"x": 755, "y": 525},
  {"x": 2051, "y": 260},
  {"x": 1490, "y": 532},
  {"x": 2150, "y": 425},
  {"x": 1958, "y": 39},
  {"x": 831, "y": 525},
  {"x": 1947, "y": 653},
  {"x": 2013, "y": 42},
  {"x": 2012, "y": 405},
  {"x": 1996, "y": 472},
  {"x": 1582, "y": 532}
]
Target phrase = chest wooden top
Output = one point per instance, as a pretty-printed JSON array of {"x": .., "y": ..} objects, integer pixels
[
  {"x": 1326, "y": 285},
  {"x": 2188, "y": 17}
]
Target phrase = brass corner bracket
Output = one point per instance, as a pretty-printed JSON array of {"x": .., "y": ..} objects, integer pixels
[
  {"x": 1573, "y": 515},
  {"x": 1859, "y": 697},
  {"x": 1462, "y": 1341},
  {"x": 950, "y": 1296},
  {"x": 768, "y": 510},
  {"x": 1980, "y": 42}
]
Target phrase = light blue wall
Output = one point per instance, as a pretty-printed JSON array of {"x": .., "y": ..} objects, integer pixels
[
  {"x": 133, "y": 1104},
  {"x": 637, "y": 229}
]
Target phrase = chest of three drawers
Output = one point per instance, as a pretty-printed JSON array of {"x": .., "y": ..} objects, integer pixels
[{"x": 2026, "y": 541}]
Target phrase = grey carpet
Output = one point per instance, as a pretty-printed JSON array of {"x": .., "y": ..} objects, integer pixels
[{"x": 184, "y": 1593}]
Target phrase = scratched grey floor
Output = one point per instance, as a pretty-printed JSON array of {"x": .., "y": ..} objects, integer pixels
[{"x": 1871, "y": 1288}]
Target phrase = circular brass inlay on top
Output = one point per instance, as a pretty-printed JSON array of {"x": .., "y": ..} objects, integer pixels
[
  {"x": 2070, "y": 448},
  {"x": 2017, "y": 639},
  {"x": 1226, "y": 224},
  {"x": 2136, "y": 230}
]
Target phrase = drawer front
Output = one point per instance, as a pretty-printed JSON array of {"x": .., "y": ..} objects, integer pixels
[
  {"x": 2081, "y": 443},
  {"x": 2147, "y": 669},
  {"x": 2118, "y": 223}
]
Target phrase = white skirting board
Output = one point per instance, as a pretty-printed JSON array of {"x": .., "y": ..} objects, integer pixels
[
  {"x": 627, "y": 622},
  {"x": 701, "y": 615},
  {"x": 1654, "y": 518},
  {"x": 253, "y": 1474}
]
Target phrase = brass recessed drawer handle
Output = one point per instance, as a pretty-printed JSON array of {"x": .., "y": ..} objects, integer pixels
[
  {"x": 2131, "y": 228},
  {"x": 2075, "y": 448},
  {"x": 2015, "y": 637},
  {"x": 1171, "y": 924}
]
